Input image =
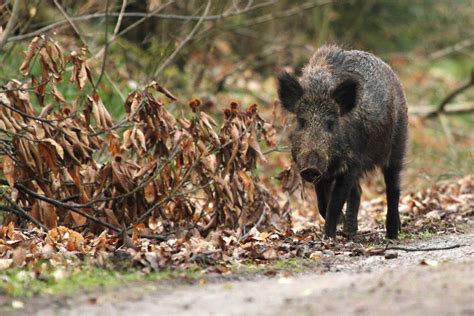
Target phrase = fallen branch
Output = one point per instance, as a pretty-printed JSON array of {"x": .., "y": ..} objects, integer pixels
[
  {"x": 450, "y": 97},
  {"x": 421, "y": 249},
  {"x": 382, "y": 251}
]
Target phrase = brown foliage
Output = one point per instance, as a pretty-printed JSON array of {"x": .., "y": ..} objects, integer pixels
[{"x": 72, "y": 165}]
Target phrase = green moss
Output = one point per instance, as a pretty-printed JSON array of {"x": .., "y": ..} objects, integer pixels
[
  {"x": 426, "y": 234},
  {"x": 294, "y": 265}
]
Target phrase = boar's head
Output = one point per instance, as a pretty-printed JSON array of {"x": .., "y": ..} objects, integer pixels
[{"x": 323, "y": 129}]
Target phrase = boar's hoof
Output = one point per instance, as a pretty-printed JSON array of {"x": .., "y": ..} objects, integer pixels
[
  {"x": 392, "y": 231},
  {"x": 349, "y": 232}
]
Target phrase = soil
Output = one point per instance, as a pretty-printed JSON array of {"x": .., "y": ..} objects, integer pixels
[{"x": 437, "y": 282}]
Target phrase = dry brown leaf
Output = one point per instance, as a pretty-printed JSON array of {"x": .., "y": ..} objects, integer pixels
[
  {"x": 19, "y": 256},
  {"x": 9, "y": 170},
  {"x": 49, "y": 157},
  {"x": 59, "y": 149},
  {"x": 80, "y": 73},
  {"x": 78, "y": 219},
  {"x": 150, "y": 192},
  {"x": 33, "y": 48},
  {"x": 48, "y": 214}
]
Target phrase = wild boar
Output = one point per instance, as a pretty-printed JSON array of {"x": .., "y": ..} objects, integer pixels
[{"x": 351, "y": 118}]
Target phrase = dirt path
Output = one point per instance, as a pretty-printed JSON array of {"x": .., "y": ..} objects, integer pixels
[{"x": 349, "y": 286}]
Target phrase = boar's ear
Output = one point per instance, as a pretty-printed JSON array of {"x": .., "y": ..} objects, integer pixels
[
  {"x": 289, "y": 91},
  {"x": 345, "y": 94}
]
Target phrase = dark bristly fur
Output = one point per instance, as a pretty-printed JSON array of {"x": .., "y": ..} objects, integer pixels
[{"x": 351, "y": 118}]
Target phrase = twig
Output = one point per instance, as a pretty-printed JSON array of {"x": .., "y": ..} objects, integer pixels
[
  {"x": 116, "y": 29},
  {"x": 21, "y": 88},
  {"x": 255, "y": 225},
  {"x": 451, "y": 49},
  {"x": 21, "y": 212},
  {"x": 106, "y": 45},
  {"x": 66, "y": 206},
  {"x": 175, "y": 192},
  {"x": 114, "y": 85},
  {"x": 26, "y": 115},
  {"x": 453, "y": 109},
  {"x": 120, "y": 18},
  {"x": 288, "y": 13},
  {"x": 140, "y": 186},
  {"x": 168, "y": 198},
  {"x": 282, "y": 149},
  {"x": 123, "y": 121},
  {"x": 277, "y": 147},
  {"x": 132, "y": 26},
  {"x": 127, "y": 29},
  {"x": 421, "y": 249},
  {"x": 70, "y": 21},
  {"x": 11, "y": 23},
  {"x": 187, "y": 39}
]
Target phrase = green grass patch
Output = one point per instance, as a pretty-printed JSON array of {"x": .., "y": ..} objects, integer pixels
[
  {"x": 42, "y": 280},
  {"x": 426, "y": 234},
  {"x": 294, "y": 265}
]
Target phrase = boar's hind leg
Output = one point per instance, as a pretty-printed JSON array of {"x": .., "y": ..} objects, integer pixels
[
  {"x": 339, "y": 195},
  {"x": 353, "y": 202},
  {"x": 392, "y": 183},
  {"x": 323, "y": 193}
]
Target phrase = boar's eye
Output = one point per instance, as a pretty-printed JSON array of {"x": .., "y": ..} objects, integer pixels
[
  {"x": 301, "y": 122},
  {"x": 330, "y": 125}
]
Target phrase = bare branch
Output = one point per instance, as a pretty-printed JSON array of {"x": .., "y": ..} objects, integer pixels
[
  {"x": 285, "y": 14},
  {"x": 143, "y": 15},
  {"x": 70, "y": 21},
  {"x": 454, "y": 109},
  {"x": 10, "y": 24},
  {"x": 143, "y": 19},
  {"x": 65, "y": 206},
  {"x": 453, "y": 48},
  {"x": 120, "y": 18},
  {"x": 15, "y": 208},
  {"x": 187, "y": 39}
]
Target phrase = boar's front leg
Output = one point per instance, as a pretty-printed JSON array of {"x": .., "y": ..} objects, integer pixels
[
  {"x": 353, "y": 203},
  {"x": 339, "y": 195},
  {"x": 323, "y": 193},
  {"x": 392, "y": 183}
]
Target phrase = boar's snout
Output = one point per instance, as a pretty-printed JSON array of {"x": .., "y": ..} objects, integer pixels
[
  {"x": 310, "y": 174},
  {"x": 312, "y": 165}
]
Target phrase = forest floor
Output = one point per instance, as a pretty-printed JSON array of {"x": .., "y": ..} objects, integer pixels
[{"x": 440, "y": 281}]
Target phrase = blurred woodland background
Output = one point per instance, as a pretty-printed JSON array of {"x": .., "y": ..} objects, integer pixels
[{"x": 221, "y": 51}]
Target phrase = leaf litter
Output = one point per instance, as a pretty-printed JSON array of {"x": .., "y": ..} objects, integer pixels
[{"x": 159, "y": 190}]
